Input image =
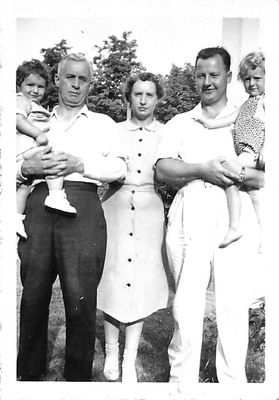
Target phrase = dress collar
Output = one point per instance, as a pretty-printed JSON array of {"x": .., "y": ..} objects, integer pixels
[{"x": 153, "y": 127}]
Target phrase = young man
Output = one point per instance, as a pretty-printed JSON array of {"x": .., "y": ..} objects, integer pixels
[
  {"x": 193, "y": 156},
  {"x": 71, "y": 247}
]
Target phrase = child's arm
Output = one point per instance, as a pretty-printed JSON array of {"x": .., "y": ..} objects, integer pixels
[
  {"x": 218, "y": 123},
  {"x": 24, "y": 126}
]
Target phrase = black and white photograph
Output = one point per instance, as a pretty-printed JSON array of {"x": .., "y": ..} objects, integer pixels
[{"x": 139, "y": 200}]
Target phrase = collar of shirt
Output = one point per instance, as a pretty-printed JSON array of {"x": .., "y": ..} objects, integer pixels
[
  {"x": 83, "y": 111},
  {"x": 153, "y": 127},
  {"x": 196, "y": 112}
]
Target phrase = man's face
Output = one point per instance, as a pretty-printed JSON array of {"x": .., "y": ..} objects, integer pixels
[
  {"x": 33, "y": 87},
  {"x": 212, "y": 79},
  {"x": 143, "y": 99},
  {"x": 254, "y": 81},
  {"x": 73, "y": 83}
]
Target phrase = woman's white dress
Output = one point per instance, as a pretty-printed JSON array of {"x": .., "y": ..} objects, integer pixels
[{"x": 134, "y": 282}]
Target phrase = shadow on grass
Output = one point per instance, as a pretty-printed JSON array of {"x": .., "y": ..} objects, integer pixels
[{"x": 152, "y": 361}]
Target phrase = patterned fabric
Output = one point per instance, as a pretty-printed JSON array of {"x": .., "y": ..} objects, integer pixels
[{"x": 249, "y": 130}]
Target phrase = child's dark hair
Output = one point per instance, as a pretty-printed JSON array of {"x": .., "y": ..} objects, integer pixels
[
  {"x": 31, "y": 67},
  {"x": 251, "y": 61}
]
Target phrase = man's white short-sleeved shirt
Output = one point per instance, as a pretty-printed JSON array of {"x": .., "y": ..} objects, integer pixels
[{"x": 190, "y": 141}]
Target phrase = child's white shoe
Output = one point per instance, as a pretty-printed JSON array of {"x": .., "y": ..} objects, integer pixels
[
  {"x": 20, "y": 229},
  {"x": 111, "y": 367},
  {"x": 57, "y": 200}
]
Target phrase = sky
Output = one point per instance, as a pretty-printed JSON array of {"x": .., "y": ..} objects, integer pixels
[
  {"x": 167, "y": 31},
  {"x": 161, "y": 42}
]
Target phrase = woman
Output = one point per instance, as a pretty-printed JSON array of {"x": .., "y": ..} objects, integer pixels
[{"x": 134, "y": 283}]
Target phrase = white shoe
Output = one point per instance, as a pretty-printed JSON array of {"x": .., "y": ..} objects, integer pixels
[
  {"x": 59, "y": 202},
  {"x": 111, "y": 367},
  {"x": 20, "y": 229},
  {"x": 129, "y": 372}
]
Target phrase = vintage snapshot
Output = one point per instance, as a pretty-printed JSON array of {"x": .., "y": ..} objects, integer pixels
[{"x": 138, "y": 174}]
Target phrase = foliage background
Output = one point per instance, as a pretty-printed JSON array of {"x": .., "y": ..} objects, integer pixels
[{"x": 116, "y": 59}]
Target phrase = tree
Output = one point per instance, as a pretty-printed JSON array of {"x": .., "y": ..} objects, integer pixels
[
  {"x": 52, "y": 56},
  {"x": 114, "y": 61},
  {"x": 181, "y": 92}
]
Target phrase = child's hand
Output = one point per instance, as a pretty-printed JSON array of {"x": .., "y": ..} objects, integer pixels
[
  {"x": 42, "y": 139},
  {"x": 204, "y": 122}
]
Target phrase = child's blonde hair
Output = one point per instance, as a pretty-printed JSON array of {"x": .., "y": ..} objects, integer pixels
[{"x": 251, "y": 61}]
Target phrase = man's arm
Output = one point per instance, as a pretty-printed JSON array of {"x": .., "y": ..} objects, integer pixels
[
  {"x": 178, "y": 172},
  {"x": 252, "y": 178},
  {"x": 101, "y": 168}
]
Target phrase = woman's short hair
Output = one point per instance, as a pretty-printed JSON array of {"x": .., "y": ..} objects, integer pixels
[
  {"x": 145, "y": 77},
  {"x": 251, "y": 61},
  {"x": 31, "y": 67},
  {"x": 74, "y": 57}
]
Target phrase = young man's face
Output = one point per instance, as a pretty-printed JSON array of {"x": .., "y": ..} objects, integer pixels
[
  {"x": 254, "y": 81},
  {"x": 143, "y": 99},
  {"x": 212, "y": 79},
  {"x": 33, "y": 87},
  {"x": 73, "y": 83}
]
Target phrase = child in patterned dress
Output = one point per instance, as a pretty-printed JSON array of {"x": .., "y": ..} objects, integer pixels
[
  {"x": 32, "y": 123},
  {"x": 248, "y": 136}
]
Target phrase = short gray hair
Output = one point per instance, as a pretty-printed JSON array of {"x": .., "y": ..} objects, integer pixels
[{"x": 74, "y": 57}]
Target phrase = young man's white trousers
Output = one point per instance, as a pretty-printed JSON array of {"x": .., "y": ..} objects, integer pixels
[{"x": 198, "y": 221}]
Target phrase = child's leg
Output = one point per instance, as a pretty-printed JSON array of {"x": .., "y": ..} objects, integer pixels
[
  {"x": 21, "y": 198},
  {"x": 234, "y": 208},
  {"x": 248, "y": 159},
  {"x": 57, "y": 198},
  {"x": 30, "y": 152},
  {"x": 254, "y": 195}
]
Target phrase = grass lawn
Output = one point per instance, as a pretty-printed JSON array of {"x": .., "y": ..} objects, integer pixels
[{"x": 152, "y": 361}]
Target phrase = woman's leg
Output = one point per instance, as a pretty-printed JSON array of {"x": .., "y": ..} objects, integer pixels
[
  {"x": 132, "y": 338},
  {"x": 111, "y": 366}
]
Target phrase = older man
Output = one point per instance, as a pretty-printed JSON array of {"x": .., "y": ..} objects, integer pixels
[
  {"x": 71, "y": 247},
  {"x": 193, "y": 156}
]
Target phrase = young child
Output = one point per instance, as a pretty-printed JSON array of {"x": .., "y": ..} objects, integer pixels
[
  {"x": 32, "y": 123},
  {"x": 248, "y": 136}
]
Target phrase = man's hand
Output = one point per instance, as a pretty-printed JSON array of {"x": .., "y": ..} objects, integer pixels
[
  {"x": 218, "y": 173},
  {"x": 61, "y": 164},
  {"x": 49, "y": 163}
]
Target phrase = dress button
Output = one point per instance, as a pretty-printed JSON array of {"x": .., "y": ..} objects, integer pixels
[
  {"x": 140, "y": 128},
  {"x": 128, "y": 284},
  {"x": 140, "y": 140},
  {"x": 129, "y": 259},
  {"x": 139, "y": 154},
  {"x": 132, "y": 208},
  {"x": 139, "y": 171},
  {"x": 133, "y": 191},
  {"x": 131, "y": 233}
]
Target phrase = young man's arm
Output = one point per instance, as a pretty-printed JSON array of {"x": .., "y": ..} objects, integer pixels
[{"x": 178, "y": 172}]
